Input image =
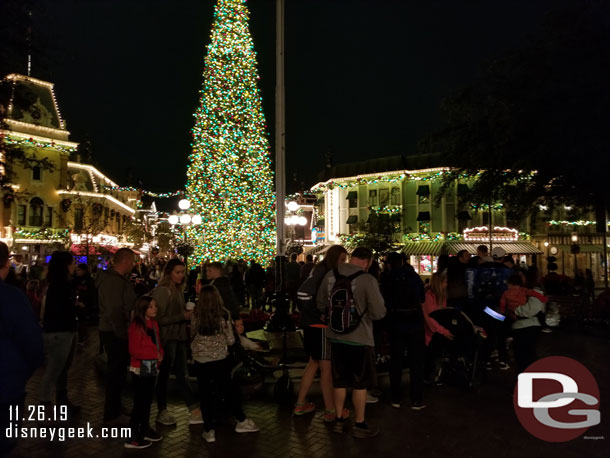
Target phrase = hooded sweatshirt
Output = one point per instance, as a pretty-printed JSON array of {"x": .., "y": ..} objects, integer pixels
[{"x": 367, "y": 296}]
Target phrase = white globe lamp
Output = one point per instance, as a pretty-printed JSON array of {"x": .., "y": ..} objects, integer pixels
[
  {"x": 184, "y": 204},
  {"x": 173, "y": 219},
  {"x": 293, "y": 206},
  {"x": 185, "y": 219},
  {"x": 196, "y": 219}
]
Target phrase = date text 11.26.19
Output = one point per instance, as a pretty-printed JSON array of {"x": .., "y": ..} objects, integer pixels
[{"x": 39, "y": 413}]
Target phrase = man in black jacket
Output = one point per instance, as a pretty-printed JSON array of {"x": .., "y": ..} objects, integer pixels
[
  {"x": 403, "y": 292},
  {"x": 116, "y": 298},
  {"x": 255, "y": 279},
  {"x": 457, "y": 290},
  {"x": 214, "y": 273}
]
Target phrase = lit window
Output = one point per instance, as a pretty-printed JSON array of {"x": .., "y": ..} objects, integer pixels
[
  {"x": 36, "y": 210},
  {"x": 21, "y": 213},
  {"x": 395, "y": 196},
  {"x": 48, "y": 217},
  {"x": 373, "y": 197}
]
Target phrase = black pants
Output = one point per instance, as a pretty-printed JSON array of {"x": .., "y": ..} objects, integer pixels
[
  {"x": 216, "y": 385},
  {"x": 412, "y": 336},
  {"x": 504, "y": 332},
  {"x": 497, "y": 332},
  {"x": 61, "y": 393},
  {"x": 143, "y": 389},
  {"x": 524, "y": 344},
  {"x": 434, "y": 352},
  {"x": 117, "y": 351},
  {"x": 174, "y": 359}
]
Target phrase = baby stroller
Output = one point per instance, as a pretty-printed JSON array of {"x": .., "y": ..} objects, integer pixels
[{"x": 460, "y": 359}]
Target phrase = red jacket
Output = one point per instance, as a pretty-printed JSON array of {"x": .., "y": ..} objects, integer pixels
[
  {"x": 517, "y": 296},
  {"x": 141, "y": 346}
]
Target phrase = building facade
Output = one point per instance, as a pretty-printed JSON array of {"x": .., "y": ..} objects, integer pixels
[
  {"x": 50, "y": 201},
  {"x": 426, "y": 222}
]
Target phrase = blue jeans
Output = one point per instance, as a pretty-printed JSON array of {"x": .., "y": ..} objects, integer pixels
[
  {"x": 57, "y": 349},
  {"x": 174, "y": 357}
]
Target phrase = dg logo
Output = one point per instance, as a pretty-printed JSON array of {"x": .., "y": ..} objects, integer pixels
[{"x": 556, "y": 399}]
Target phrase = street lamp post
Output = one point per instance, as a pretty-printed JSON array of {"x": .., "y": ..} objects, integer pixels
[
  {"x": 280, "y": 320},
  {"x": 575, "y": 250},
  {"x": 183, "y": 219}
]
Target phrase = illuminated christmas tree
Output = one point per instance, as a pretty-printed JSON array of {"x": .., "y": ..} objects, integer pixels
[{"x": 230, "y": 181}]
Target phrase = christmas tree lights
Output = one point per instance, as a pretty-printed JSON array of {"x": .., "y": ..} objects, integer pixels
[{"x": 229, "y": 179}]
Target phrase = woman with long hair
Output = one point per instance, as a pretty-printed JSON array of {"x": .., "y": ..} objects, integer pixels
[
  {"x": 314, "y": 336},
  {"x": 436, "y": 298},
  {"x": 146, "y": 354},
  {"x": 212, "y": 332},
  {"x": 527, "y": 326},
  {"x": 59, "y": 324},
  {"x": 172, "y": 317}
]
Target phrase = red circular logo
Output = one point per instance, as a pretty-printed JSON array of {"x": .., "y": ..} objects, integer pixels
[{"x": 556, "y": 399}]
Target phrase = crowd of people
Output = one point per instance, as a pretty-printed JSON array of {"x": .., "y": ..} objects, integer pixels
[{"x": 351, "y": 307}]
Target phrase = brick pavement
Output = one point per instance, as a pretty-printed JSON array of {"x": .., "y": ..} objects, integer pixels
[{"x": 457, "y": 423}]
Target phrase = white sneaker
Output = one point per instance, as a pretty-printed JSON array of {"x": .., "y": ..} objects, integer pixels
[
  {"x": 370, "y": 399},
  {"x": 196, "y": 418},
  {"x": 165, "y": 418},
  {"x": 246, "y": 426},
  {"x": 209, "y": 436}
]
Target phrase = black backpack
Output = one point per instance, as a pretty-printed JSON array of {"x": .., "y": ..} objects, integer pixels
[
  {"x": 306, "y": 298},
  {"x": 343, "y": 316}
]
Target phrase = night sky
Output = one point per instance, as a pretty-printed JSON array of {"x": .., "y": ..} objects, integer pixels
[{"x": 363, "y": 78}]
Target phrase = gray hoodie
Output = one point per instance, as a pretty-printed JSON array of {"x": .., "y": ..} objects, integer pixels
[
  {"x": 526, "y": 313},
  {"x": 366, "y": 294}
]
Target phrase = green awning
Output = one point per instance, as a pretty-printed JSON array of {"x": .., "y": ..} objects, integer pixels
[
  {"x": 519, "y": 247},
  {"x": 352, "y": 195},
  {"x": 423, "y": 248},
  {"x": 584, "y": 248}
]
